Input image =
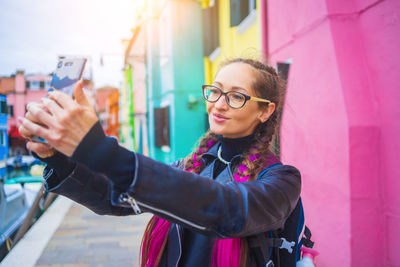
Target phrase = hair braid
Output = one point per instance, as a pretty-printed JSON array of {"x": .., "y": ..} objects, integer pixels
[{"x": 193, "y": 162}]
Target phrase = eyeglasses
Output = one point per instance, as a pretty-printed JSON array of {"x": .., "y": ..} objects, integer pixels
[{"x": 234, "y": 99}]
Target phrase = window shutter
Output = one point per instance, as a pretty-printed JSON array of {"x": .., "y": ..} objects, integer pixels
[
  {"x": 235, "y": 12},
  {"x": 161, "y": 126},
  {"x": 210, "y": 29},
  {"x": 10, "y": 110}
]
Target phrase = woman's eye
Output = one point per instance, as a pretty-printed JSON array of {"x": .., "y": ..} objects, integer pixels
[{"x": 237, "y": 97}]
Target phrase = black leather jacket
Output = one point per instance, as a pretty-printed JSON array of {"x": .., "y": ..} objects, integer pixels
[{"x": 219, "y": 208}]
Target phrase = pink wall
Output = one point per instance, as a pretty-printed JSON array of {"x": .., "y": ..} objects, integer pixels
[
  {"x": 380, "y": 29},
  {"x": 23, "y": 96},
  {"x": 339, "y": 122}
]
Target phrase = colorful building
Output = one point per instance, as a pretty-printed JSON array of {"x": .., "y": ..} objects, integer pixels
[
  {"x": 134, "y": 113},
  {"x": 3, "y": 135},
  {"x": 107, "y": 108},
  {"x": 22, "y": 89},
  {"x": 230, "y": 29},
  {"x": 174, "y": 75},
  {"x": 339, "y": 124}
]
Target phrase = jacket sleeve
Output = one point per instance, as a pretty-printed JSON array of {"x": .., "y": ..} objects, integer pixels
[
  {"x": 214, "y": 209},
  {"x": 91, "y": 189},
  {"x": 83, "y": 185}
]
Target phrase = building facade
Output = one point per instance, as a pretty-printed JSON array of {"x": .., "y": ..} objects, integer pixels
[
  {"x": 20, "y": 90},
  {"x": 3, "y": 135},
  {"x": 174, "y": 73},
  {"x": 338, "y": 123},
  {"x": 107, "y": 108},
  {"x": 340, "y": 61},
  {"x": 134, "y": 113}
]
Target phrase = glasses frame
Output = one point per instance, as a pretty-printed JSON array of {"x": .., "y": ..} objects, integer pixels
[{"x": 246, "y": 97}]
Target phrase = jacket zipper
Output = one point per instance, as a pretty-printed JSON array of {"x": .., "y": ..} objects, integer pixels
[
  {"x": 230, "y": 172},
  {"x": 134, "y": 204},
  {"x": 180, "y": 245},
  {"x": 127, "y": 198}
]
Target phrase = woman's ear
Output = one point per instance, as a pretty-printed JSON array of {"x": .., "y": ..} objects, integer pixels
[{"x": 267, "y": 112}]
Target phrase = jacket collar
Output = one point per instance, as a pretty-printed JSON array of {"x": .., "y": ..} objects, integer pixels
[{"x": 212, "y": 153}]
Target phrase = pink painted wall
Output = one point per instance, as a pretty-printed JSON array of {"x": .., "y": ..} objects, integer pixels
[
  {"x": 340, "y": 122},
  {"x": 22, "y": 96},
  {"x": 380, "y": 32}
]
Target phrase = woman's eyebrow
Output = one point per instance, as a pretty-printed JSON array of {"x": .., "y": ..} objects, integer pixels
[
  {"x": 238, "y": 88},
  {"x": 232, "y": 88},
  {"x": 218, "y": 83}
]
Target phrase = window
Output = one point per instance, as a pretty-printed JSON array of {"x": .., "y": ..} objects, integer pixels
[
  {"x": 161, "y": 126},
  {"x": 3, "y": 107},
  {"x": 34, "y": 85},
  {"x": 210, "y": 28},
  {"x": 10, "y": 110},
  {"x": 47, "y": 85},
  {"x": 240, "y": 9},
  {"x": 41, "y": 84},
  {"x": 2, "y": 138}
]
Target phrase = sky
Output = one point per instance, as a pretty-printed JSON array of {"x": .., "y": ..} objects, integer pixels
[{"x": 33, "y": 34}]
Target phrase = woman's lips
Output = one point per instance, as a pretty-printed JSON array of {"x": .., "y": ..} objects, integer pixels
[{"x": 219, "y": 118}]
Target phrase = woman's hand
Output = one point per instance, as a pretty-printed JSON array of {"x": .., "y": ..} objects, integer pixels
[
  {"x": 41, "y": 149},
  {"x": 63, "y": 122}
]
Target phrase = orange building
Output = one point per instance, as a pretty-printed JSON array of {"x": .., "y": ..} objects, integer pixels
[{"x": 107, "y": 107}]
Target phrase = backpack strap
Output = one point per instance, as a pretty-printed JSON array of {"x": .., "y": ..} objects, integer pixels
[
  {"x": 261, "y": 244},
  {"x": 267, "y": 169}
]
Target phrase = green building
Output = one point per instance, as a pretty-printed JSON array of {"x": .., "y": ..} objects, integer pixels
[{"x": 176, "y": 113}]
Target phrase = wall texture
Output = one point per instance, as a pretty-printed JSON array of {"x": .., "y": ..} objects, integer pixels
[{"x": 339, "y": 125}]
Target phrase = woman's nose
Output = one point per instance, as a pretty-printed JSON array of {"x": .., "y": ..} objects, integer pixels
[{"x": 221, "y": 103}]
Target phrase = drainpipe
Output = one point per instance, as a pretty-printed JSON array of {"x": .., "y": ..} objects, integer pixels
[{"x": 264, "y": 32}]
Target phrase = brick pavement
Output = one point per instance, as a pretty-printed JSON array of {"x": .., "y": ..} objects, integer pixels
[{"x": 85, "y": 239}]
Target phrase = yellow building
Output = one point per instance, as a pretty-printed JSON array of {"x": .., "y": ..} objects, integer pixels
[{"x": 231, "y": 28}]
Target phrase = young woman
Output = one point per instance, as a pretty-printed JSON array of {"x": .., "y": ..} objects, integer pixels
[{"x": 206, "y": 206}]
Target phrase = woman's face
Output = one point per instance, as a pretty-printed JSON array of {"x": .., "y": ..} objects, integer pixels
[{"x": 235, "y": 123}]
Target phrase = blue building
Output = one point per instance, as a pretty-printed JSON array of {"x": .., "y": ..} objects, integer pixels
[
  {"x": 175, "y": 73},
  {"x": 3, "y": 135}
]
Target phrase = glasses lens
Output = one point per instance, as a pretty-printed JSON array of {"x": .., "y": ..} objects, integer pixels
[
  {"x": 236, "y": 100},
  {"x": 211, "y": 93}
]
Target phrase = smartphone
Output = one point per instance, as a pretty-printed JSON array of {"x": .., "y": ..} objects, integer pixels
[{"x": 68, "y": 72}]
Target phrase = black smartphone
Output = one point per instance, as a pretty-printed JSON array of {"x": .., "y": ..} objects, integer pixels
[{"x": 68, "y": 72}]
